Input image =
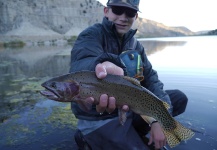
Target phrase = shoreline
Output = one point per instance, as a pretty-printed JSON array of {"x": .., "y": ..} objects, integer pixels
[{"x": 26, "y": 40}]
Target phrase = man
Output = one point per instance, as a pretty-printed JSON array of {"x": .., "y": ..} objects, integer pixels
[{"x": 110, "y": 48}]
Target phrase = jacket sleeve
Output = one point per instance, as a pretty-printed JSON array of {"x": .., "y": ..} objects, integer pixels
[
  {"x": 88, "y": 52},
  {"x": 151, "y": 80}
]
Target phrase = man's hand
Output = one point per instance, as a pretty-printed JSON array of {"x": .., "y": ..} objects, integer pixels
[
  {"x": 107, "y": 103},
  {"x": 157, "y": 136}
]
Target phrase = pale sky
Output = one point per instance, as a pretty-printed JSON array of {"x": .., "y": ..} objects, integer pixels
[{"x": 196, "y": 15}]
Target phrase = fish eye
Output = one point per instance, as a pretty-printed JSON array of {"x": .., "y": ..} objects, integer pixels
[{"x": 53, "y": 85}]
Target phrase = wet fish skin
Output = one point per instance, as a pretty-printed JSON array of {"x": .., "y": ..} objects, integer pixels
[{"x": 127, "y": 91}]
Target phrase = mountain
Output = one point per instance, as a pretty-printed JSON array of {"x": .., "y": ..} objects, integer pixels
[
  {"x": 213, "y": 32},
  {"x": 149, "y": 28},
  {"x": 34, "y": 18}
]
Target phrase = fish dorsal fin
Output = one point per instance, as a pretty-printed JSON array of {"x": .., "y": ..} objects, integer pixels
[{"x": 132, "y": 80}]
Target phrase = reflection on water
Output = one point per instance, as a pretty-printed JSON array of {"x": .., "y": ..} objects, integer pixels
[
  {"x": 186, "y": 63},
  {"x": 21, "y": 69},
  {"x": 197, "y": 53},
  {"x": 153, "y": 46},
  {"x": 35, "y": 61}
]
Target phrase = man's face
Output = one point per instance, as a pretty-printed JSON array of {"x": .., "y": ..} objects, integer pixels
[{"x": 123, "y": 22}]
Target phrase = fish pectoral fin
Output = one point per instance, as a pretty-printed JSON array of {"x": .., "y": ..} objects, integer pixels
[
  {"x": 148, "y": 119},
  {"x": 122, "y": 116},
  {"x": 85, "y": 104},
  {"x": 132, "y": 80}
]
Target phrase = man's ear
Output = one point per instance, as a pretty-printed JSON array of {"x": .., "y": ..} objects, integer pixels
[
  {"x": 136, "y": 16},
  {"x": 106, "y": 9}
]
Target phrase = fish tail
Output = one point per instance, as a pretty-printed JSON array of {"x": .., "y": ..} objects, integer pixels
[{"x": 178, "y": 134}]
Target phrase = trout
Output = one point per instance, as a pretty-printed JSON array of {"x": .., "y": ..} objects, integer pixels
[{"x": 77, "y": 86}]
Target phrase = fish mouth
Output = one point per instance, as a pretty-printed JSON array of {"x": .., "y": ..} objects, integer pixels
[{"x": 50, "y": 93}]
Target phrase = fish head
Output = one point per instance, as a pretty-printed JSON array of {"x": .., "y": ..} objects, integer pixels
[{"x": 60, "y": 90}]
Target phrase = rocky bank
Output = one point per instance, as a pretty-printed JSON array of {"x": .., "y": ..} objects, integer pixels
[{"x": 39, "y": 19}]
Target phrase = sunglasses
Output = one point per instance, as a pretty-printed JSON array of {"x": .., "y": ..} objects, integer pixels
[{"x": 120, "y": 10}]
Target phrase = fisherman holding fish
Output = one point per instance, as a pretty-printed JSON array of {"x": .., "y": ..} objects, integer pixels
[{"x": 110, "y": 48}]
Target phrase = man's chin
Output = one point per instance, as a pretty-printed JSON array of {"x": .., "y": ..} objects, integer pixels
[{"x": 121, "y": 32}]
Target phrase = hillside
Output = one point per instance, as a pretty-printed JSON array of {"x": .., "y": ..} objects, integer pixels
[
  {"x": 149, "y": 28},
  {"x": 213, "y": 32},
  {"x": 37, "y": 18}
]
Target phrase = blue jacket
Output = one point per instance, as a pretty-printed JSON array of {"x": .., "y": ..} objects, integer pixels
[{"x": 99, "y": 43}]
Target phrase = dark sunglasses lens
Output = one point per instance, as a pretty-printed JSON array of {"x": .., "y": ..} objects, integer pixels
[
  {"x": 120, "y": 10},
  {"x": 131, "y": 13},
  {"x": 117, "y": 10}
]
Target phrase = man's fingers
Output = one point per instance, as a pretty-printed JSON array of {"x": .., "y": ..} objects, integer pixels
[
  {"x": 125, "y": 108},
  {"x": 150, "y": 140},
  {"x": 106, "y": 103},
  {"x": 103, "y": 103},
  {"x": 112, "y": 68},
  {"x": 111, "y": 105},
  {"x": 100, "y": 71},
  {"x": 105, "y": 68},
  {"x": 164, "y": 143},
  {"x": 157, "y": 145}
]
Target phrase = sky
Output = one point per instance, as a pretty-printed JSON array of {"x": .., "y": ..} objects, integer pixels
[{"x": 196, "y": 15}]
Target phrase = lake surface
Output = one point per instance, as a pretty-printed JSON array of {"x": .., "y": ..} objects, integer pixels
[
  {"x": 192, "y": 68},
  {"x": 28, "y": 121}
]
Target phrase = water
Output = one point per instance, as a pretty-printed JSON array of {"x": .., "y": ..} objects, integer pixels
[
  {"x": 192, "y": 68},
  {"x": 27, "y": 120}
]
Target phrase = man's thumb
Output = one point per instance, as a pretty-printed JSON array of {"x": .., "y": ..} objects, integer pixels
[{"x": 100, "y": 71}]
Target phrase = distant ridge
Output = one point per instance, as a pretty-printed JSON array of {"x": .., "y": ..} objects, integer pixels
[{"x": 149, "y": 28}]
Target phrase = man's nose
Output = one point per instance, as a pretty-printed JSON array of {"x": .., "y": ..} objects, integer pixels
[{"x": 124, "y": 17}]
